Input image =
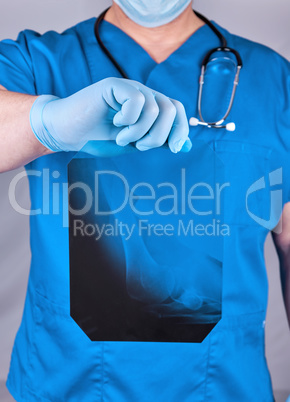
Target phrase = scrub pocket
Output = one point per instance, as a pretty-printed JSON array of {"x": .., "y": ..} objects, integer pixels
[
  {"x": 246, "y": 195},
  {"x": 64, "y": 364},
  {"x": 237, "y": 369}
]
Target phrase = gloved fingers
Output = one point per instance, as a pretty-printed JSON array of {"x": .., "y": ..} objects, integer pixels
[
  {"x": 126, "y": 99},
  {"x": 147, "y": 118},
  {"x": 130, "y": 111},
  {"x": 178, "y": 137},
  {"x": 161, "y": 128},
  {"x": 186, "y": 146}
]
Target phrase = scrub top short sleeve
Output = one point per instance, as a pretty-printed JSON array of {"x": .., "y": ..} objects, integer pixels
[{"x": 16, "y": 70}]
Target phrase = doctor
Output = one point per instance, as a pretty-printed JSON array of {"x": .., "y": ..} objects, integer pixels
[{"x": 60, "y": 90}]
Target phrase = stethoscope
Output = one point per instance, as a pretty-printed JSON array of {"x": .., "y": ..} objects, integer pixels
[{"x": 193, "y": 121}]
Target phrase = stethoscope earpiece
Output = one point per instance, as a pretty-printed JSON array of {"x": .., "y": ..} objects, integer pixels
[{"x": 230, "y": 126}]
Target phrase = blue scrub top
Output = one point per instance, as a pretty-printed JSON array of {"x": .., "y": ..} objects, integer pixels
[{"x": 52, "y": 359}]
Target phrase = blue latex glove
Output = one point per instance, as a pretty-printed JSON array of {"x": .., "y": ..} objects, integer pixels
[{"x": 112, "y": 109}]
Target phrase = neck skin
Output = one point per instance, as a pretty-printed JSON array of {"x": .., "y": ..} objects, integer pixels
[{"x": 161, "y": 41}]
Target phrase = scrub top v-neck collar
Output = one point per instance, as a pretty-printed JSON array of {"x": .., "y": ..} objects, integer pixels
[{"x": 137, "y": 63}]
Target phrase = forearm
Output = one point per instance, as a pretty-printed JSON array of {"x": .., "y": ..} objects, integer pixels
[
  {"x": 282, "y": 244},
  {"x": 18, "y": 144},
  {"x": 112, "y": 109},
  {"x": 284, "y": 258}
]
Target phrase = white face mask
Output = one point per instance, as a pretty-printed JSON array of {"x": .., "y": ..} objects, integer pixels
[{"x": 152, "y": 13}]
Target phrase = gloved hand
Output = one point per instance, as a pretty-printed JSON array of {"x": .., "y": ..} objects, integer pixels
[{"x": 112, "y": 109}]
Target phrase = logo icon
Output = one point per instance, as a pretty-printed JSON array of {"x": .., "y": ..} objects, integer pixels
[{"x": 276, "y": 200}]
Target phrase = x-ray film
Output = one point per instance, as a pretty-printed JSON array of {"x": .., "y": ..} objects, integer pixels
[{"x": 146, "y": 243}]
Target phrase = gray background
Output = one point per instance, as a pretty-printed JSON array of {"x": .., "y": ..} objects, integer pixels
[{"x": 264, "y": 21}]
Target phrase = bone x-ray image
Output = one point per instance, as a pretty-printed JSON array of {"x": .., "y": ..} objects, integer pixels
[{"x": 146, "y": 244}]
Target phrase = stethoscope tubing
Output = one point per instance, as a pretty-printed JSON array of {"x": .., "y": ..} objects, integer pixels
[{"x": 223, "y": 48}]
